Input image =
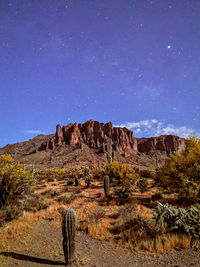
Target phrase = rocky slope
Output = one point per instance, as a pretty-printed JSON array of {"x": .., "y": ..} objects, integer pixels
[{"x": 90, "y": 143}]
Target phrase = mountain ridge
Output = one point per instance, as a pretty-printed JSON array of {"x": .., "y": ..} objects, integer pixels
[{"x": 89, "y": 144}]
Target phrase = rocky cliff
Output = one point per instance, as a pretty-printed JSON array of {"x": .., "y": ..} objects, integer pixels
[
  {"x": 89, "y": 143},
  {"x": 97, "y": 136},
  {"x": 164, "y": 143}
]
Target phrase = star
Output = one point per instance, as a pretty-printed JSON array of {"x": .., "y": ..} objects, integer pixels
[{"x": 169, "y": 46}]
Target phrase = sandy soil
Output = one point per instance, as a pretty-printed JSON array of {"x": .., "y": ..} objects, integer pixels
[
  {"x": 44, "y": 248},
  {"x": 41, "y": 245}
]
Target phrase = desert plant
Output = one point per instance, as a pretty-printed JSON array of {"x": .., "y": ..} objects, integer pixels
[
  {"x": 76, "y": 181},
  {"x": 106, "y": 185},
  {"x": 121, "y": 173},
  {"x": 87, "y": 181},
  {"x": 143, "y": 185},
  {"x": 68, "y": 232},
  {"x": 15, "y": 181},
  {"x": 52, "y": 174},
  {"x": 181, "y": 172},
  {"x": 66, "y": 198},
  {"x": 17, "y": 186},
  {"x": 122, "y": 177},
  {"x": 146, "y": 174},
  {"x": 96, "y": 215},
  {"x": 178, "y": 219},
  {"x": 88, "y": 176},
  {"x": 97, "y": 172},
  {"x": 133, "y": 229}
]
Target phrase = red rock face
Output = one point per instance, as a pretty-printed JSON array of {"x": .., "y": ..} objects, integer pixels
[
  {"x": 163, "y": 143},
  {"x": 89, "y": 143},
  {"x": 59, "y": 135},
  {"x": 97, "y": 135}
]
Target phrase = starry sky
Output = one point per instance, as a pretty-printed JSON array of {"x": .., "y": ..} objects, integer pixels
[{"x": 133, "y": 62}]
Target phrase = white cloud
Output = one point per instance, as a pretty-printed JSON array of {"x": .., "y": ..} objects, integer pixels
[
  {"x": 154, "y": 127},
  {"x": 34, "y": 132},
  {"x": 140, "y": 124}
]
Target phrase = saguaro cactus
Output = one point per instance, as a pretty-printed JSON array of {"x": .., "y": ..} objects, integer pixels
[
  {"x": 88, "y": 177},
  {"x": 76, "y": 181},
  {"x": 68, "y": 231},
  {"x": 106, "y": 185}
]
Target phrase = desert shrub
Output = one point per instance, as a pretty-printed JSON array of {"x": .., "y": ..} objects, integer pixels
[
  {"x": 87, "y": 175},
  {"x": 92, "y": 218},
  {"x": 80, "y": 173},
  {"x": 50, "y": 193},
  {"x": 133, "y": 229},
  {"x": 54, "y": 174},
  {"x": 142, "y": 184},
  {"x": 97, "y": 172},
  {"x": 122, "y": 176},
  {"x": 121, "y": 194},
  {"x": 146, "y": 174},
  {"x": 178, "y": 219},
  {"x": 17, "y": 187},
  {"x": 15, "y": 181},
  {"x": 96, "y": 224},
  {"x": 170, "y": 227},
  {"x": 16, "y": 207},
  {"x": 66, "y": 198},
  {"x": 96, "y": 215},
  {"x": 181, "y": 172}
]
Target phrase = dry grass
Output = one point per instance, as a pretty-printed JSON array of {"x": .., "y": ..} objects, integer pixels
[
  {"x": 136, "y": 229},
  {"x": 98, "y": 222},
  {"x": 144, "y": 212},
  {"x": 160, "y": 244},
  {"x": 100, "y": 230},
  {"x": 111, "y": 211},
  {"x": 83, "y": 209},
  {"x": 18, "y": 230}
]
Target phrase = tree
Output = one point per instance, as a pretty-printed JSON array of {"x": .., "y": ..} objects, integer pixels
[{"x": 181, "y": 172}]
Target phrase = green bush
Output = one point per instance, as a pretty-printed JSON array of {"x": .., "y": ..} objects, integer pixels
[
  {"x": 181, "y": 172},
  {"x": 15, "y": 181},
  {"x": 16, "y": 190}
]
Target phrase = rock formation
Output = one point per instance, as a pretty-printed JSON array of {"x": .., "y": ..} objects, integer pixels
[
  {"x": 164, "y": 143},
  {"x": 95, "y": 135},
  {"x": 89, "y": 143}
]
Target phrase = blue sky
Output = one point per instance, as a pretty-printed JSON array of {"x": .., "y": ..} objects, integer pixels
[{"x": 133, "y": 62}]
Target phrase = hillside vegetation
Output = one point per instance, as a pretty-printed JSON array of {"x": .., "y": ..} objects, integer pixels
[{"x": 181, "y": 172}]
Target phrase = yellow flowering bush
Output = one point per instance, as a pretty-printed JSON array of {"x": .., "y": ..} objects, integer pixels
[
  {"x": 122, "y": 176},
  {"x": 17, "y": 186},
  {"x": 15, "y": 181},
  {"x": 120, "y": 172},
  {"x": 51, "y": 174},
  {"x": 181, "y": 172}
]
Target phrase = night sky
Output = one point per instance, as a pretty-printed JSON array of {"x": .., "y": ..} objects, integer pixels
[{"x": 133, "y": 62}]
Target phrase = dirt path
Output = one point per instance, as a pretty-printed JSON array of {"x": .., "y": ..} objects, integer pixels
[{"x": 43, "y": 247}]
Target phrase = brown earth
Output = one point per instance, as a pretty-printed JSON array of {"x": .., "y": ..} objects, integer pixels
[
  {"x": 35, "y": 239},
  {"x": 45, "y": 243}
]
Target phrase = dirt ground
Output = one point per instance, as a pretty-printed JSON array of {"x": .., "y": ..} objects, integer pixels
[
  {"x": 41, "y": 245},
  {"x": 44, "y": 248}
]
